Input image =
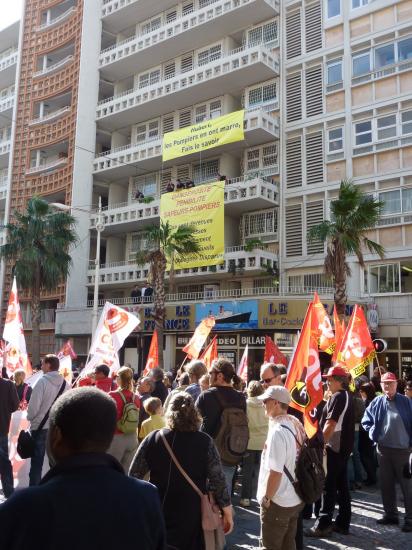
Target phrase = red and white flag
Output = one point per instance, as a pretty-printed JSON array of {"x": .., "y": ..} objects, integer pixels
[
  {"x": 195, "y": 344},
  {"x": 153, "y": 358},
  {"x": 65, "y": 355},
  {"x": 243, "y": 365},
  {"x": 210, "y": 354},
  {"x": 16, "y": 352},
  {"x": 322, "y": 327},
  {"x": 273, "y": 353}
]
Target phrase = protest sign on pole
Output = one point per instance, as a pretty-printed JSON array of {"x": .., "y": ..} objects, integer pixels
[
  {"x": 195, "y": 344},
  {"x": 153, "y": 358},
  {"x": 15, "y": 352},
  {"x": 323, "y": 327}
]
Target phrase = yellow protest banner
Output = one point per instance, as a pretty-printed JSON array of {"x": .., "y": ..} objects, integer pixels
[
  {"x": 206, "y": 135},
  {"x": 203, "y": 207}
]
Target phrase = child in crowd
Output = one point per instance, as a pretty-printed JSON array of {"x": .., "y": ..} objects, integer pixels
[{"x": 153, "y": 407}]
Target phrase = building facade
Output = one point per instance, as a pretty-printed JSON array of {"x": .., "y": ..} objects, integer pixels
[{"x": 326, "y": 88}]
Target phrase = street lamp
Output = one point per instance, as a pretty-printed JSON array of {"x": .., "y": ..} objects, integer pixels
[{"x": 99, "y": 228}]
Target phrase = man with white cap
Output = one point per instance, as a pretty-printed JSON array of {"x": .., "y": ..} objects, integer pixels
[
  {"x": 280, "y": 504},
  {"x": 338, "y": 426},
  {"x": 388, "y": 420}
]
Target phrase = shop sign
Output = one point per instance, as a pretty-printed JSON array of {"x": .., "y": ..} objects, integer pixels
[
  {"x": 230, "y": 355},
  {"x": 177, "y": 318},
  {"x": 229, "y": 315},
  {"x": 227, "y": 340},
  {"x": 252, "y": 340}
]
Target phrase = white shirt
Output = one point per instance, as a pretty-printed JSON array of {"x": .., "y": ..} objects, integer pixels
[{"x": 279, "y": 451}]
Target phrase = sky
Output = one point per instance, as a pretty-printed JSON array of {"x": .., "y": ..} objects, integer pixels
[{"x": 10, "y": 11}]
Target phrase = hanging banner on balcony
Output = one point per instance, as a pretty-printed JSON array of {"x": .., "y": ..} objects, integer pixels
[
  {"x": 206, "y": 135},
  {"x": 203, "y": 207}
]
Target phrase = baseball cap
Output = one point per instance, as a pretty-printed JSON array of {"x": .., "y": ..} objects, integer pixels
[
  {"x": 388, "y": 377},
  {"x": 279, "y": 393},
  {"x": 335, "y": 371}
]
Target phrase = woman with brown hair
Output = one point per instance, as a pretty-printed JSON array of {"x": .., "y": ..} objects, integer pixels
[
  {"x": 197, "y": 455},
  {"x": 124, "y": 444}
]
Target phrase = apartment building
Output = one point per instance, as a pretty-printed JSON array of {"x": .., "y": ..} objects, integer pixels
[
  {"x": 9, "y": 42},
  {"x": 346, "y": 82}
]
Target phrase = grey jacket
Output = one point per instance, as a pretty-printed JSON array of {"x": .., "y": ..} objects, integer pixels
[{"x": 44, "y": 393}]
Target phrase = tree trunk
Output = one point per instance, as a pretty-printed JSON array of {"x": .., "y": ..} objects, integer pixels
[
  {"x": 159, "y": 264},
  {"x": 35, "y": 319}
]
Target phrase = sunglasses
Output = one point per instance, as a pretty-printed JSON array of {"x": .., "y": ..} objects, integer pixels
[{"x": 267, "y": 380}]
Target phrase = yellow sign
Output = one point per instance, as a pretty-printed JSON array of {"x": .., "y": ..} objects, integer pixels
[
  {"x": 203, "y": 207},
  {"x": 206, "y": 135}
]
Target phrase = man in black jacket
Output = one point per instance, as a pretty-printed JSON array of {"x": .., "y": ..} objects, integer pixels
[
  {"x": 9, "y": 402},
  {"x": 117, "y": 511}
]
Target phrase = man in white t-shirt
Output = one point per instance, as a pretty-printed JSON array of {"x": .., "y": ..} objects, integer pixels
[{"x": 280, "y": 504}]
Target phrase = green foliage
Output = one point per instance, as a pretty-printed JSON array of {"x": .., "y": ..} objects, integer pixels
[{"x": 38, "y": 242}]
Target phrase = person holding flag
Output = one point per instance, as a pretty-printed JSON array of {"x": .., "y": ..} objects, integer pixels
[{"x": 338, "y": 426}]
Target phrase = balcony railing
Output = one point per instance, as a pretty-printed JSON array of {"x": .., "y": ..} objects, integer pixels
[
  {"x": 57, "y": 20},
  {"x": 46, "y": 166},
  {"x": 182, "y": 23},
  {"x": 5, "y": 147},
  {"x": 50, "y": 116},
  {"x": 6, "y": 103},
  {"x": 243, "y": 56},
  {"x": 47, "y": 317},
  {"x": 55, "y": 67},
  {"x": 8, "y": 60}
]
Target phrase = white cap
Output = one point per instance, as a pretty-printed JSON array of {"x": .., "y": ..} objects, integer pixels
[{"x": 279, "y": 393}]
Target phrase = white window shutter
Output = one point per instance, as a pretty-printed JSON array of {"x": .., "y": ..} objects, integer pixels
[
  {"x": 293, "y": 34},
  {"x": 314, "y": 216},
  {"x": 314, "y": 158},
  {"x": 294, "y": 97},
  {"x": 294, "y": 162},
  {"x": 314, "y": 91},
  {"x": 293, "y": 226},
  {"x": 313, "y": 26}
]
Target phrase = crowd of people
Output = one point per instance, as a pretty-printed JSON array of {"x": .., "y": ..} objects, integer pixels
[{"x": 196, "y": 437}]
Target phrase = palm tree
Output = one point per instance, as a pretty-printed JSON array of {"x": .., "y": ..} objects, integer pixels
[
  {"x": 353, "y": 214},
  {"x": 37, "y": 244},
  {"x": 164, "y": 245}
]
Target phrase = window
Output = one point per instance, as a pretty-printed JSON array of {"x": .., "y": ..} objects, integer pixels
[
  {"x": 146, "y": 185},
  {"x": 406, "y": 118},
  {"x": 206, "y": 56},
  {"x": 359, "y": 3},
  {"x": 405, "y": 49},
  {"x": 335, "y": 140},
  {"x": 206, "y": 171},
  {"x": 152, "y": 25},
  {"x": 361, "y": 63},
  {"x": 150, "y": 78},
  {"x": 255, "y": 224},
  {"x": 261, "y": 157},
  {"x": 265, "y": 34},
  {"x": 398, "y": 201},
  {"x": 384, "y": 279},
  {"x": 386, "y": 127},
  {"x": 262, "y": 94},
  {"x": 363, "y": 132},
  {"x": 333, "y": 8},
  {"x": 334, "y": 71},
  {"x": 384, "y": 55}
]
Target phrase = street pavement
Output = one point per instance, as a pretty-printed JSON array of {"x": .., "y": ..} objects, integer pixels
[{"x": 365, "y": 534}]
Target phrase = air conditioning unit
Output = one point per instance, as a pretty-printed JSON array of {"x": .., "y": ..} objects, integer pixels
[{"x": 210, "y": 291}]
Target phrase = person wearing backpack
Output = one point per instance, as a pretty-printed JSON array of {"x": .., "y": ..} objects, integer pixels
[
  {"x": 223, "y": 410},
  {"x": 277, "y": 496},
  {"x": 124, "y": 444}
]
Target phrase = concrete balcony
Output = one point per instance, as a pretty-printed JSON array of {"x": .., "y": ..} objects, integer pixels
[
  {"x": 260, "y": 127},
  {"x": 192, "y": 31},
  {"x": 231, "y": 73},
  {"x": 47, "y": 25},
  {"x": 54, "y": 67},
  {"x": 117, "y": 14},
  {"x": 241, "y": 195},
  {"x": 50, "y": 117},
  {"x": 6, "y": 106},
  {"x": 8, "y": 65},
  {"x": 47, "y": 166},
  {"x": 5, "y": 147},
  {"x": 237, "y": 260},
  {"x": 4, "y": 186},
  {"x": 394, "y": 308}
]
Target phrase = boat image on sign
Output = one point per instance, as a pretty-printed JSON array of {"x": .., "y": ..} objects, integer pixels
[{"x": 225, "y": 316}]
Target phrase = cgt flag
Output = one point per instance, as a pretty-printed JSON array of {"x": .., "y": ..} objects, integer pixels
[
  {"x": 153, "y": 357},
  {"x": 273, "y": 353},
  {"x": 323, "y": 327},
  {"x": 304, "y": 380},
  {"x": 195, "y": 344},
  {"x": 242, "y": 369},
  {"x": 15, "y": 352},
  {"x": 339, "y": 333},
  {"x": 65, "y": 355},
  {"x": 356, "y": 350},
  {"x": 210, "y": 354}
]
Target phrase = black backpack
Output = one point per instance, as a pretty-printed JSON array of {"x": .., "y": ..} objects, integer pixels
[
  {"x": 233, "y": 436},
  {"x": 309, "y": 472}
]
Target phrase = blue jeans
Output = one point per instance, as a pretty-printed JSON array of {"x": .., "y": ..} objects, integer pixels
[
  {"x": 251, "y": 462},
  {"x": 6, "y": 469},
  {"x": 38, "y": 457},
  {"x": 229, "y": 472}
]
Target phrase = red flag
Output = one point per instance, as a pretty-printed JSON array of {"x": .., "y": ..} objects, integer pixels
[
  {"x": 195, "y": 345},
  {"x": 67, "y": 351},
  {"x": 356, "y": 350},
  {"x": 273, "y": 353},
  {"x": 210, "y": 353},
  {"x": 304, "y": 380},
  {"x": 243, "y": 366},
  {"x": 322, "y": 326},
  {"x": 153, "y": 357}
]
